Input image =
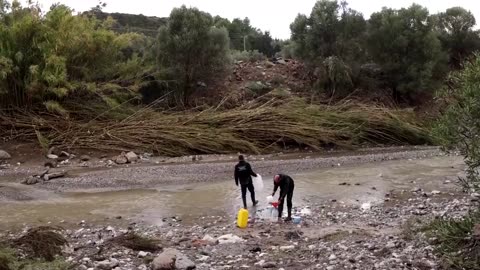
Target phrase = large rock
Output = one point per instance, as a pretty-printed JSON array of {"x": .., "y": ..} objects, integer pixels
[
  {"x": 4, "y": 155},
  {"x": 131, "y": 157},
  {"x": 172, "y": 259}
]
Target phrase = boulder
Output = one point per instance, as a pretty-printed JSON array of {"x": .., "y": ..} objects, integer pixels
[
  {"x": 172, "y": 259},
  {"x": 4, "y": 155},
  {"x": 131, "y": 157}
]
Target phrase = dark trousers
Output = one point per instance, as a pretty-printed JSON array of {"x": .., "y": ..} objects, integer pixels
[
  {"x": 244, "y": 194},
  {"x": 289, "y": 203}
]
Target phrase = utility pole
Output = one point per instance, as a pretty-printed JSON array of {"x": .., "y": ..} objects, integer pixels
[{"x": 244, "y": 43}]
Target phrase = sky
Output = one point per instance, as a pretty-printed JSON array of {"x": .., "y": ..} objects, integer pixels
[{"x": 268, "y": 15}]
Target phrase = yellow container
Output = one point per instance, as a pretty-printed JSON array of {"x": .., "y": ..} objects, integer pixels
[{"x": 242, "y": 218}]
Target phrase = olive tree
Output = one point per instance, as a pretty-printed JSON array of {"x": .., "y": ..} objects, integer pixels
[{"x": 191, "y": 49}]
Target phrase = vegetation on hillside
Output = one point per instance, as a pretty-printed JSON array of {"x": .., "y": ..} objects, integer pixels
[{"x": 81, "y": 70}]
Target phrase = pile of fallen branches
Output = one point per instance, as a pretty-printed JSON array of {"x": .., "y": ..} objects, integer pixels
[{"x": 253, "y": 128}]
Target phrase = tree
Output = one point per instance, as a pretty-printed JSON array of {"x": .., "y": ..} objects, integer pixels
[
  {"x": 191, "y": 49},
  {"x": 403, "y": 42},
  {"x": 457, "y": 34},
  {"x": 331, "y": 41},
  {"x": 459, "y": 126}
]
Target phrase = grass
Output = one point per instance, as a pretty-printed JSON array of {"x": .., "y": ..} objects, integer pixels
[
  {"x": 456, "y": 242},
  {"x": 257, "y": 127},
  {"x": 9, "y": 260},
  {"x": 136, "y": 242}
]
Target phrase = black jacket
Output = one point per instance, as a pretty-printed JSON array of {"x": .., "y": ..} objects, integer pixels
[
  {"x": 243, "y": 173},
  {"x": 286, "y": 185}
]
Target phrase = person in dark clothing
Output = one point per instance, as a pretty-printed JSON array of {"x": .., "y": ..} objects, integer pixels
[
  {"x": 243, "y": 175},
  {"x": 286, "y": 185}
]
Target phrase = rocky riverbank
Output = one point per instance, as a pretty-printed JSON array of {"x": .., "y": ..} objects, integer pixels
[{"x": 332, "y": 235}]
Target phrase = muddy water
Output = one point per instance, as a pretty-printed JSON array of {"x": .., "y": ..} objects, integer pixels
[{"x": 365, "y": 183}]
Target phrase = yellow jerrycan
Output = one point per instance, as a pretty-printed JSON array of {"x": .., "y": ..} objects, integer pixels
[{"x": 242, "y": 218}]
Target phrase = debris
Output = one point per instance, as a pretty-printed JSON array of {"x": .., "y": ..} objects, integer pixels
[
  {"x": 42, "y": 242},
  {"x": 136, "y": 242}
]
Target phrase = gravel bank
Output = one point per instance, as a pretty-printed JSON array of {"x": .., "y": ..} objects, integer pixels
[{"x": 152, "y": 175}]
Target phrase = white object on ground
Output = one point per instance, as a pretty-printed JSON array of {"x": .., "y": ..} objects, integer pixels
[
  {"x": 270, "y": 199},
  {"x": 366, "y": 206},
  {"x": 229, "y": 239},
  {"x": 306, "y": 212},
  {"x": 258, "y": 182}
]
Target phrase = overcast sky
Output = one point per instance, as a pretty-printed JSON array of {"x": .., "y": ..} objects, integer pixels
[{"x": 272, "y": 15}]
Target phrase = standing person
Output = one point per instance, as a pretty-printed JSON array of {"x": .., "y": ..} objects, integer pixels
[
  {"x": 286, "y": 185},
  {"x": 243, "y": 174}
]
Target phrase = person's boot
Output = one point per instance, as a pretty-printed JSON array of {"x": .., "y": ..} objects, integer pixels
[
  {"x": 288, "y": 219},
  {"x": 255, "y": 203}
]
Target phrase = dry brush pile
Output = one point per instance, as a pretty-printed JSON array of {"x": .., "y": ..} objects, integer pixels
[{"x": 257, "y": 127}]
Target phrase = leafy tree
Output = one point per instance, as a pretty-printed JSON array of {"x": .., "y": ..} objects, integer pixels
[
  {"x": 457, "y": 34},
  {"x": 403, "y": 42},
  {"x": 191, "y": 49},
  {"x": 43, "y": 55},
  {"x": 332, "y": 29},
  {"x": 460, "y": 124},
  {"x": 331, "y": 40}
]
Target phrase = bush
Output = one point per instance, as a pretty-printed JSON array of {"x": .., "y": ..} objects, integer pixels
[
  {"x": 248, "y": 56},
  {"x": 459, "y": 125},
  {"x": 458, "y": 241}
]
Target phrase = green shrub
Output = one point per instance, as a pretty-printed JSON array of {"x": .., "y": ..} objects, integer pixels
[{"x": 456, "y": 241}]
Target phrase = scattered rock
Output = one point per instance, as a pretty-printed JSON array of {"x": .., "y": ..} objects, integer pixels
[
  {"x": 52, "y": 156},
  {"x": 85, "y": 158},
  {"x": 50, "y": 164},
  {"x": 269, "y": 265},
  {"x": 476, "y": 232},
  {"x": 436, "y": 192},
  {"x": 121, "y": 159},
  {"x": 131, "y": 157},
  {"x": 172, "y": 259},
  {"x": 4, "y": 155},
  {"x": 143, "y": 254},
  {"x": 287, "y": 247}
]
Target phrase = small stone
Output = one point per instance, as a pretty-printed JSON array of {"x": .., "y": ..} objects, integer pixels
[
  {"x": 436, "y": 192},
  {"x": 121, "y": 160},
  {"x": 52, "y": 156},
  {"x": 287, "y": 247},
  {"x": 104, "y": 265},
  {"x": 4, "y": 155},
  {"x": 131, "y": 157},
  {"x": 143, "y": 254},
  {"x": 85, "y": 158},
  {"x": 332, "y": 257},
  {"x": 269, "y": 265}
]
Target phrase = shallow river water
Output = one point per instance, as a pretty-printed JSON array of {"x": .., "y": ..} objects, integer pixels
[{"x": 366, "y": 183}]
